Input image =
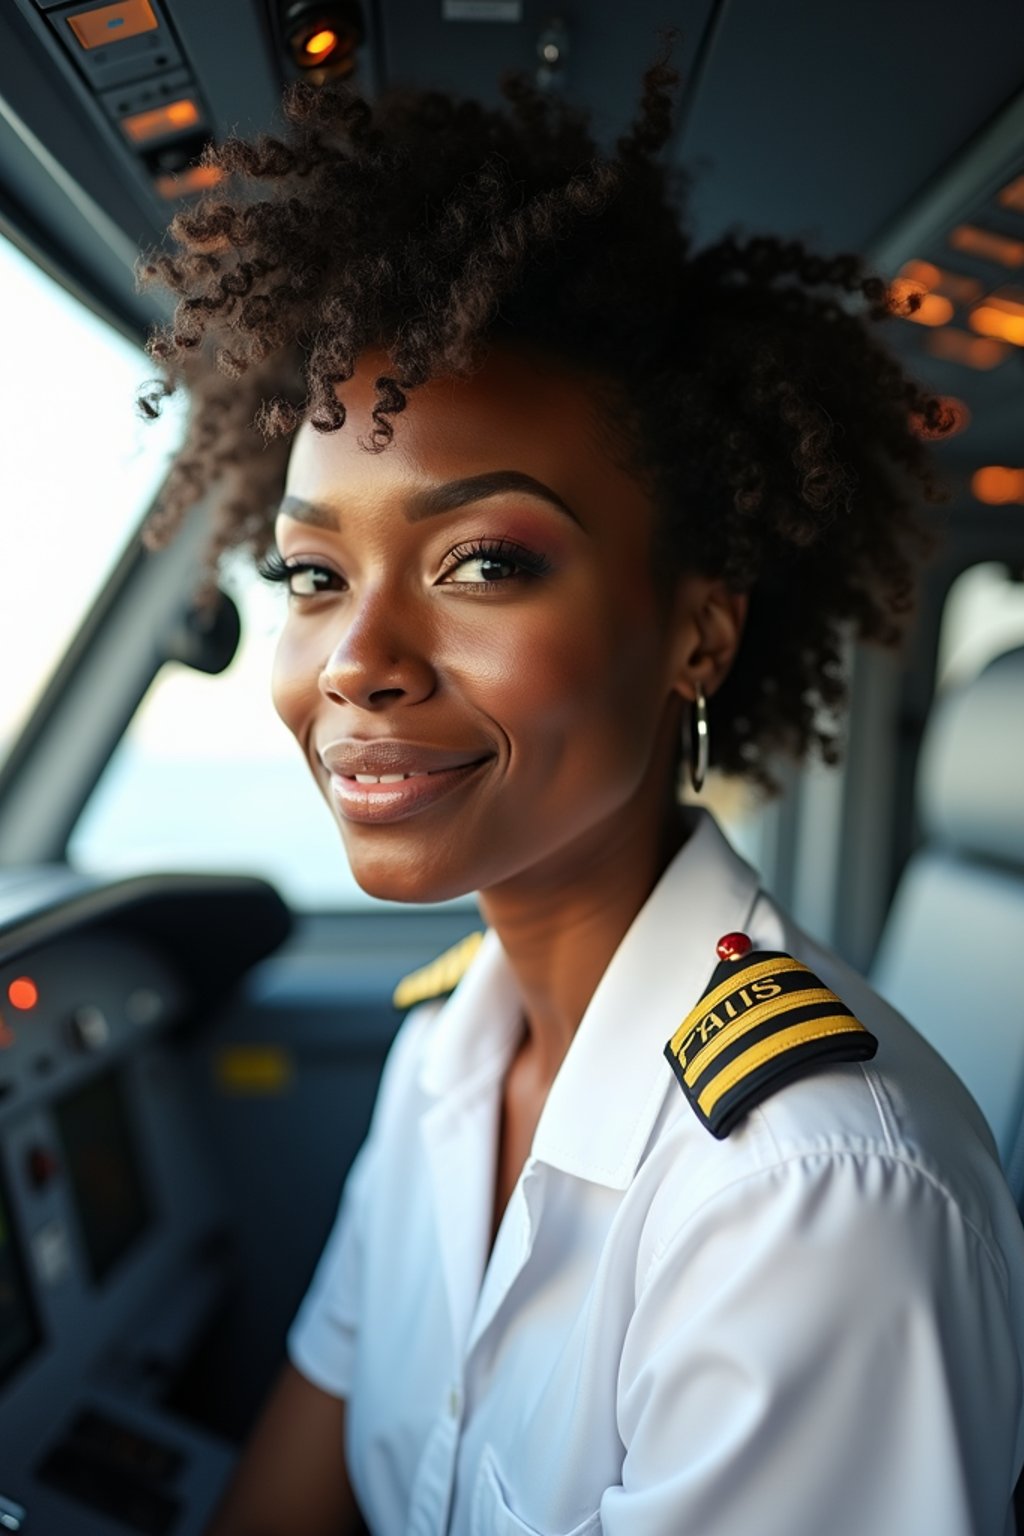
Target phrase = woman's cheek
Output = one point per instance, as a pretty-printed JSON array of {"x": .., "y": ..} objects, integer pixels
[
  {"x": 531, "y": 662},
  {"x": 293, "y": 680}
]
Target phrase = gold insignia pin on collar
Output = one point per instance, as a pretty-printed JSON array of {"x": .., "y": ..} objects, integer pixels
[{"x": 764, "y": 1019}]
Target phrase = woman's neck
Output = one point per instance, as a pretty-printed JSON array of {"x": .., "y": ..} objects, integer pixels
[{"x": 560, "y": 927}]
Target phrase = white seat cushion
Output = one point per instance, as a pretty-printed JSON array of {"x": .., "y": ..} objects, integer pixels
[{"x": 952, "y": 960}]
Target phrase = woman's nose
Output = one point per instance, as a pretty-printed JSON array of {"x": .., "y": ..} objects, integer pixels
[{"x": 380, "y": 660}]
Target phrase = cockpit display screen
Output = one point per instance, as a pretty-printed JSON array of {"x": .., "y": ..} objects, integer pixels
[
  {"x": 19, "y": 1331},
  {"x": 102, "y": 1163}
]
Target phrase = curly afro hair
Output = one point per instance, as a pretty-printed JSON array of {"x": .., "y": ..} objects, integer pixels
[{"x": 781, "y": 443}]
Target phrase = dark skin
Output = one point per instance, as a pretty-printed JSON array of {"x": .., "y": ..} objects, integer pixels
[
  {"x": 568, "y": 680},
  {"x": 562, "y": 666}
]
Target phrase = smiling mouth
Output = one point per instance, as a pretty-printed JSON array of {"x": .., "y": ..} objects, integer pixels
[
  {"x": 390, "y": 778},
  {"x": 388, "y": 797}
]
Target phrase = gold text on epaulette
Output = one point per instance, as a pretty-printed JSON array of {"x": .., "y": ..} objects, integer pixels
[{"x": 759, "y": 1024}]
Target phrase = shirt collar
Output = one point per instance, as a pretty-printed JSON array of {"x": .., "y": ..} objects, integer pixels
[
  {"x": 603, "y": 1103},
  {"x": 478, "y": 1026},
  {"x": 602, "y": 1106}
]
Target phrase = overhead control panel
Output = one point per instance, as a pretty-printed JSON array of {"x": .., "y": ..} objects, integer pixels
[
  {"x": 136, "y": 72},
  {"x": 138, "y": 67}
]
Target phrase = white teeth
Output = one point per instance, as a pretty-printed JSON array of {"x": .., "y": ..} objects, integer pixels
[{"x": 384, "y": 778}]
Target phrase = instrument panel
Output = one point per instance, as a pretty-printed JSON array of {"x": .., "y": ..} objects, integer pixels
[{"x": 115, "y": 1253}]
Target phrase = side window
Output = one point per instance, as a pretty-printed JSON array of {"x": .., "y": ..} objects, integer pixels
[
  {"x": 983, "y": 616},
  {"x": 76, "y": 472}
]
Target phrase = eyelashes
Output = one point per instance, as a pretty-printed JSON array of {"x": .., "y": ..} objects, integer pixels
[
  {"x": 273, "y": 568},
  {"x": 519, "y": 560},
  {"x": 502, "y": 560},
  {"x": 290, "y": 573}
]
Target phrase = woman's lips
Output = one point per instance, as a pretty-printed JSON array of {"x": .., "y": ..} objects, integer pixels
[
  {"x": 389, "y": 798},
  {"x": 382, "y": 779}
]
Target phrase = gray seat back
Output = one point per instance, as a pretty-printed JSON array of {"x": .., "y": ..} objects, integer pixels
[{"x": 951, "y": 957}]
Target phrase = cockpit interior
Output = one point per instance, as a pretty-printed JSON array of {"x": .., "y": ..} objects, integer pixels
[{"x": 195, "y": 1000}]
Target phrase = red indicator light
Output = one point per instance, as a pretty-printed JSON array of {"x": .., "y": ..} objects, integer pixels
[{"x": 23, "y": 993}]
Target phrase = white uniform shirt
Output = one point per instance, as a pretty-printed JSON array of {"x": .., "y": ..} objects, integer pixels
[{"x": 811, "y": 1328}]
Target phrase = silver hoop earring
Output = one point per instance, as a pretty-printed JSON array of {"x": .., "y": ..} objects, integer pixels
[{"x": 700, "y": 741}]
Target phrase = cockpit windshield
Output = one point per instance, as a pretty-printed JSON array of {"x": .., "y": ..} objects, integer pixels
[{"x": 73, "y": 459}]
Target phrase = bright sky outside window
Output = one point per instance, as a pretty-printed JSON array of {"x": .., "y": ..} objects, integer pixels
[{"x": 76, "y": 473}]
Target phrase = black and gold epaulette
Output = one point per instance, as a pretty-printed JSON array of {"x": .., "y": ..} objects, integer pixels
[
  {"x": 440, "y": 977},
  {"x": 764, "y": 1019}
]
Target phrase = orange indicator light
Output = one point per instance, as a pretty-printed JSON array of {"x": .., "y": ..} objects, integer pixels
[
  {"x": 998, "y": 484},
  {"x": 902, "y": 290},
  {"x": 113, "y": 23},
  {"x": 321, "y": 43},
  {"x": 987, "y": 244},
  {"x": 958, "y": 346},
  {"x": 1001, "y": 315},
  {"x": 993, "y": 322},
  {"x": 926, "y": 275},
  {"x": 932, "y": 310},
  {"x": 195, "y": 178},
  {"x": 143, "y": 126},
  {"x": 23, "y": 993},
  {"x": 1012, "y": 196}
]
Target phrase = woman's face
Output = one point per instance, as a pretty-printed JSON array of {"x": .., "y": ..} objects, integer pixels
[{"x": 475, "y": 609}]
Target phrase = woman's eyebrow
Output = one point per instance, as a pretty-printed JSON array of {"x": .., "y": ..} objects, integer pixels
[
  {"x": 439, "y": 498},
  {"x": 459, "y": 493}
]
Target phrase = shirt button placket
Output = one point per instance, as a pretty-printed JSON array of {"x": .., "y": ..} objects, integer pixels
[
  {"x": 432, "y": 1498},
  {"x": 454, "y": 1431}
]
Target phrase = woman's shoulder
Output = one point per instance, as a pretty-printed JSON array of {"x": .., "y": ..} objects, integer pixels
[{"x": 883, "y": 1132}]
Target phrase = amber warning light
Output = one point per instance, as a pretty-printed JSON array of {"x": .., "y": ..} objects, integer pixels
[
  {"x": 321, "y": 44},
  {"x": 156, "y": 123},
  {"x": 23, "y": 993},
  {"x": 323, "y": 37},
  {"x": 998, "y": 484}
]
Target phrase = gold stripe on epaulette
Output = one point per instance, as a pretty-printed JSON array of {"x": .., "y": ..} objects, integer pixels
[
  {"x": 760, "y": 1024},
  {"x": 797, "y": 1034},
  {"x": 742, "y": 977},
  {"x": 760, "y": 1014},
  {"x": 439, "y": 976}
]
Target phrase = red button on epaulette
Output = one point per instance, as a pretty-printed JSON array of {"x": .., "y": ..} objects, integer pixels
[{"x": 733, "y": 946}]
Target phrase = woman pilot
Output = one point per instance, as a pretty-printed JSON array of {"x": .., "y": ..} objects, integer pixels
[{"x": 666, "y": 1225}]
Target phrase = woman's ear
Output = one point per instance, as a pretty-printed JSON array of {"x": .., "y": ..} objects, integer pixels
[{"x": 709, "y": 627}]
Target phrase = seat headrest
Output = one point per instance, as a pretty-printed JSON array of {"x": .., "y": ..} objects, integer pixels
[{"x": 971, "y": 773}]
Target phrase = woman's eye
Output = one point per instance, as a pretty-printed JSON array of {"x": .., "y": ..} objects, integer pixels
[
  {"x": 300, "y": 579},
  {"x": 480, "y": 566},
  {"x": 308, "y": 580},
  {"x": 484, "y": 568}
]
